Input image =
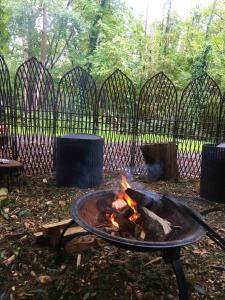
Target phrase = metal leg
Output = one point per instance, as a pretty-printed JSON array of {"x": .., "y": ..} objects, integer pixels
[
  {"x": 60, "y": 244},
  {"x": 59, "y": 256},
  {"x": 173, "y": 256}
]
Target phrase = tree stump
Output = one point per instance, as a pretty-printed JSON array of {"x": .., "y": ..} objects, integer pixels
[{"x": 161, "y": 161}]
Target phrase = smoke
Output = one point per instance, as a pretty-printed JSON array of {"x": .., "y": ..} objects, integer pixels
[{"x": 155, "y": 170}]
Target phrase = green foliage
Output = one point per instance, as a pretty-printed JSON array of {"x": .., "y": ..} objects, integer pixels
[
  {"x": 4, "y": 35},
  {"x": 102, "y": 35}
]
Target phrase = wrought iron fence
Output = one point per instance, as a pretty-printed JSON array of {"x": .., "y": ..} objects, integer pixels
[
  {"x": 116, "y": 121},
  {"x": 6, "y": 117},
  {"x": 34, "y": 107},
  {"x": 34, "y": 115}
]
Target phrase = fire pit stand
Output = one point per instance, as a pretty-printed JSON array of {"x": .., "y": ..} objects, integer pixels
[
  {"x": 85, "y": 212},
  {"x": 170, "y": 256}
]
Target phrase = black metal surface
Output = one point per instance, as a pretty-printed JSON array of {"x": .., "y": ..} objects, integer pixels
[
  {"x": 116, "y": 121},
  {"x": 6, "y": 117},
  {"x": 34, "y": 117},
  {"x": 79, "y": 160},
  {"x": 157, "y": 108},
  {"x": 212, "y": 180},
  {"x": 76, "y": 103},
  {"x": 197, "y": 122},
  {"x": 84, "y": 213}
]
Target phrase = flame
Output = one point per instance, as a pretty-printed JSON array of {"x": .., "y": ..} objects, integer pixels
[
  {"x": 124, "y": 182},
  {"x": 133, "y": 205},
  {"x": 112, "y": 219},
  {"x": 118, "y": 204}
]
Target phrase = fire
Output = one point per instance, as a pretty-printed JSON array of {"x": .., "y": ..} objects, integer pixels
[
  {"x": 132, "y": 205},
  {"x": 113, "y": 221},
  {"x": 121, "y": 201},
  {"x": 124, "y": 182}
]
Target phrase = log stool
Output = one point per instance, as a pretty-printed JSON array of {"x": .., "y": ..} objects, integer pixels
[
  {"x": 79, "y": 160},
  {"x": 10, "y": 170},
  {"x": 161, "y": 161}
]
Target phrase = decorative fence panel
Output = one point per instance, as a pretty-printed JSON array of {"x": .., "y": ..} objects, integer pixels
[
  {"x": 76, "y": 103},
  {"x": 156, "y": 113},
  {"x": 116, "y": 121},
  {"x": 34, "y": 117},
  {"x": 197, "y": 122},
  {"x": 6, "y": 117}
]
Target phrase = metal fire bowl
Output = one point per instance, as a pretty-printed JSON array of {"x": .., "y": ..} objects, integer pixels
[{"x": 85, "y": 212}]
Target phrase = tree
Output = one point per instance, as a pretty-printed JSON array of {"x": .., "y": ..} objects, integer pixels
[{"x": 4, "y": 35}]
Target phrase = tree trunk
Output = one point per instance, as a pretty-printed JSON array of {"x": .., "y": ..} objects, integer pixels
[
  {"x": 208, "y": 27},
  {"x": 44, "y": 36},
  {"x": 167, "y": 28},
  {"x": 161, "y": 161}
]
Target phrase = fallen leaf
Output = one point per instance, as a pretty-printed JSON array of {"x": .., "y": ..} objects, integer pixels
[
  {"x": 44, "y": 279},
  {"x": 62, "y": 203},
  {"x": 9, "y": 260},
  {"x": 3, "y": 193}
]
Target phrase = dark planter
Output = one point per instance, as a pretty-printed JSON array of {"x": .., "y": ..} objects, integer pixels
[{"x": 212, "y": 181}]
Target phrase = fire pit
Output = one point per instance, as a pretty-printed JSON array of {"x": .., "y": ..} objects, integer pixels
[{"x": 91, "y": 212}]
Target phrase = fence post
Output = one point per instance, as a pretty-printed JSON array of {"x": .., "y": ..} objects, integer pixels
[{"x": 219, "y": 124}]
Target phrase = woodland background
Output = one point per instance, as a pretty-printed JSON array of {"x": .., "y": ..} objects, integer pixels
[{"x": 102, "y": 35}]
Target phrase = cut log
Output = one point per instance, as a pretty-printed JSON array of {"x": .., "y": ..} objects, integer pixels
[
  {"x": 156, "y": 228},
  {"x": 51, "y": 232},
  {"x": 51, "y": 227},
  {"x": 161, "y": 161}
]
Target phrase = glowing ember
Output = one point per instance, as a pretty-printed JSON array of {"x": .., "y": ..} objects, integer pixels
[
  {"x": 119, "y": 204},
  {"x": 113, "y": 221}
]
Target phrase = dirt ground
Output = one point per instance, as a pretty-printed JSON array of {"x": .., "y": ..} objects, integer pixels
[{"x": 105, "y": 272}]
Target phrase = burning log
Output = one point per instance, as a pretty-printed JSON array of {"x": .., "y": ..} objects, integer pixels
[{"x": 133, "y": 214}]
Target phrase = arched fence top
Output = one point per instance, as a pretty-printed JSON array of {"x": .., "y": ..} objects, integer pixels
[
  {"x": 34, "y": 86},
  {"x": 117, "y": 92},
  {"x": 201, "y": 94},
  {"x": 76, "y": 91},
  {"x": 157, "y": 92},
  {"x": 5, "y": 85}
]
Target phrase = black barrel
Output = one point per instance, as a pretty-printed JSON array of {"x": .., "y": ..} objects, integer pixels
[
  {"x": 212, "y": 182},
  {"x": 79, "y": 160}
]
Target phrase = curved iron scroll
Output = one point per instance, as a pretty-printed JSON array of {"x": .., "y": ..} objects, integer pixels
[
  {"x": 197, "y": 122},
  {"x": 76, "y": 103},
  {"x": 116, "y": 120},
  {"x": 35, "y": 106},
  {"x": 6, "y": 116}
]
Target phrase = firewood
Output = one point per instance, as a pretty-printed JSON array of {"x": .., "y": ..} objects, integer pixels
[
  {"x": 124, "y": 223},
  {"x": 52, "y": 237},
  {"x": 140, "y": 197},
  {"x": 48, "y": 228},
  {"x": 155, "y": 227},
  {"x": 80, "y": 244},
  {"x": 142, "y": 235},
  {"x": 166, "y": 225},
  {"x": 78, "y": 260}
]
